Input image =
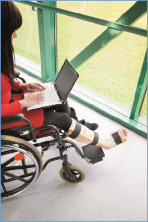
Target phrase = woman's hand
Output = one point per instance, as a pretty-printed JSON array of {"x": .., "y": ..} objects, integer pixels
[
  {"x": 31, "y": 87},
  {"x": 32, "y": 99}
]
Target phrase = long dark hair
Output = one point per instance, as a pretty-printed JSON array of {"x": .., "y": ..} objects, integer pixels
[{"x": 11, "y": 20}]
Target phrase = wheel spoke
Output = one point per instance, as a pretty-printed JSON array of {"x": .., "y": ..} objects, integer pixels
[
  {"x": 22, "y": 167},
  {"x": 22, "y": 176},
  {"x": 2, "y": 177},
  {"x": 3, "y": 186},
  {"x": 16, "y": 177},
  {"x": 8, "y": 152},
  {"x": 76, "y": 173},
  {"x": 8, "y": 162}
]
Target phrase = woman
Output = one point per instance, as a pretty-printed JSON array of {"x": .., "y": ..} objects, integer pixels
[
  {"x": 12, "y": 105},
  {"x": 12, "y": 20}
]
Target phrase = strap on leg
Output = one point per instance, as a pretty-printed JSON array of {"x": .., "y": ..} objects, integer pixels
[
  {"x": 76, "y": 131},
  {"x": 116, "y": 137}
]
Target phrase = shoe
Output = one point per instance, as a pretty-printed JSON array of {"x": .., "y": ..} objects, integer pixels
[{"x": 91, "y": 126}]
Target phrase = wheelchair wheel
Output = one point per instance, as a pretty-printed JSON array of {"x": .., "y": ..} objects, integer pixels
[
  {"x": 21, "y": 165},
  {"x": 78, "y": 174}
]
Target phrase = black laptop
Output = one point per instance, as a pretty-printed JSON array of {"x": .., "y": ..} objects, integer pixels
[{"x": 56, "y": 93}]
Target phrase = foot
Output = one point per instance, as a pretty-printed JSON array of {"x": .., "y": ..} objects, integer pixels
[
  {"x": 114, "y": 139},
  {"x": 91, "y": 126}
]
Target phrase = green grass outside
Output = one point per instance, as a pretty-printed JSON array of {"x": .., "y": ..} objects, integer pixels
[
  {"x": 27, "y": 42},
  {"x": 113, "y": 71}
]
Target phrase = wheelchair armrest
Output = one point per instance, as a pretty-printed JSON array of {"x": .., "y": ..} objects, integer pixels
[
  {"x": 22, "y": 79},
  {"x": 17, "y": 76},
  {"x": 12, "y": 119},
  {"x": 18, "y": 118}
]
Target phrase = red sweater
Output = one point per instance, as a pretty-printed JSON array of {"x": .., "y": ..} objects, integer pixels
[{"x": 8, "y": 109}]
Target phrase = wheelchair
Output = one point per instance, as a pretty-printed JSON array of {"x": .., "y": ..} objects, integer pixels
[{"x": 22, "y": 163}]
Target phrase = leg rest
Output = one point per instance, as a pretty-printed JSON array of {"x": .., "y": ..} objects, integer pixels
[{"x": 94, "y": 153}]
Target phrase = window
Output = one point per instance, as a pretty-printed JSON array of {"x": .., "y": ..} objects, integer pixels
[{"x": 26, "y": 45}]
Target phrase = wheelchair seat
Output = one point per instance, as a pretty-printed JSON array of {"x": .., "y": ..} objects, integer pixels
[
  {"x": 23, "y": 132},
  {"x": 27, "y": 132}
]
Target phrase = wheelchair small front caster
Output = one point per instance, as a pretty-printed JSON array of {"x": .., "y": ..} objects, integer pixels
[{"x": 78, "y": 174}]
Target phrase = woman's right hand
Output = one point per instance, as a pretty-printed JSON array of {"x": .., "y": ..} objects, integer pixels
[{"x": 32, "y": 99}]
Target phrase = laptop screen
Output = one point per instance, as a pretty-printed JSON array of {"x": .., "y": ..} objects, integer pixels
[{"x": 65, "y": 80}]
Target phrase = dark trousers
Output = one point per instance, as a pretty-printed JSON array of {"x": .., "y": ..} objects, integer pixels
[{"x": 59, "y": 116}]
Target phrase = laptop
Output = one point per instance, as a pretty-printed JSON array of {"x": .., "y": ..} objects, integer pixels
[{"x": 56, "y": 93}]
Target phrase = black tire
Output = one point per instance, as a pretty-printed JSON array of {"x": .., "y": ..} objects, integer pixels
[
  {"x": 21, "y": 165},
  {"x": 78, "y": 173}
]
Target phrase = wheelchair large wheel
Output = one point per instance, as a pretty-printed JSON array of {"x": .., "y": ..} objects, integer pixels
[
  {"x": 79, "y": 175},
  {"x": 21, "y": 165}
]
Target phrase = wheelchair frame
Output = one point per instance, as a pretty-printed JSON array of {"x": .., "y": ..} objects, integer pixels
[
  {"x": 16, "y": 149},
  {"x": 69, "y": 173}
]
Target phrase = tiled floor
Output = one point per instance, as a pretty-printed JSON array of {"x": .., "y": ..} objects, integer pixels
[{"x": 114, "y": 189}]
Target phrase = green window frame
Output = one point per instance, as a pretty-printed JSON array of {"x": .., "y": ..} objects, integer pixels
[{"x": 48, "y": 48}]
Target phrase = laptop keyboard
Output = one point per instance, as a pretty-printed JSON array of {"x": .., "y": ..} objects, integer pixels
[{"x": 50, "y": 95}]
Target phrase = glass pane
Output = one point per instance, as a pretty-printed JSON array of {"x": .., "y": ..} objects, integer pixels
[
  {"x": 114, "y": 71},
  {"x": 142, "y": 22},
  {"x": 27, "y": 42},
  {"x": 73, "y": 36},
  {"x": 109, "y": 10},
  {"x": 144, "y": 107}
]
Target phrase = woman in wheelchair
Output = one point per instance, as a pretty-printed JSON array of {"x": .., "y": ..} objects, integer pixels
[
  {"x": 21, "y": 161},
  {"x": 62, "y": 117}
]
